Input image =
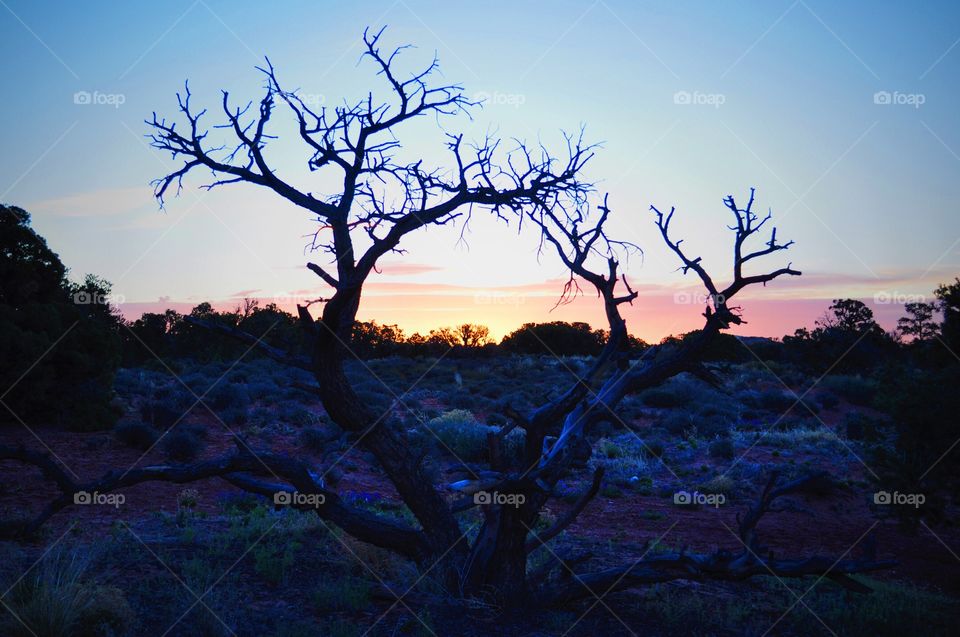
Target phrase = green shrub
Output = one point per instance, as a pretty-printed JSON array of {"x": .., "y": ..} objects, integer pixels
[{"x": 460, "y": 433}]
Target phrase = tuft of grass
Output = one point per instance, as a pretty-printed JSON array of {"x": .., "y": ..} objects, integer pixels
[{"x": 52, "y": 598}]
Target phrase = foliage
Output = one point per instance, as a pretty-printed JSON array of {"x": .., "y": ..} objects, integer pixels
[
  {"x": 52, "y": 598},
  {"x": 57, "y": 338}
]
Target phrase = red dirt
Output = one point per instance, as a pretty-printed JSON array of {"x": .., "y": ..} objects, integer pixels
[{"x": 830, "y": 525}]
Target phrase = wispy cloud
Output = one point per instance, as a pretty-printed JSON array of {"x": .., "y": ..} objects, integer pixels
[{"x": 96, "y": 203}]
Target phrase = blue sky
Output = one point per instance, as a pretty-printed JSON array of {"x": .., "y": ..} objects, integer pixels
[{"x": 692, "y": 101}]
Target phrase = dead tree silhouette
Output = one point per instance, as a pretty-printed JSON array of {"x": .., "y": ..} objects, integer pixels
[{"x": 382, "y": 200}]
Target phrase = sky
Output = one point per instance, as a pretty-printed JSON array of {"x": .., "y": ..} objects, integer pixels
[{"x": 842, "y": 115}]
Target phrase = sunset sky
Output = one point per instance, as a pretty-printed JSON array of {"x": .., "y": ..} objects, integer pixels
[{"x": 843, "y": 115}]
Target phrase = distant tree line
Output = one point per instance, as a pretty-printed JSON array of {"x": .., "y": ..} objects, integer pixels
[{"x": 65, "y": 340}]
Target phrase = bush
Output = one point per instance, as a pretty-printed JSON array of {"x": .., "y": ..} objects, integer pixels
[
  {"x": 662, "y": 398},
  {"x": 136, "y": 434},
  {"x": 226, "y": 395},
  {"x": 855, "y": 389},
  {"x": 721, "y": 484},
  {"x": 297, "y": 415},
  {"x": 160, "y": 414},
  {"x": 776, "y": 400},
  {"x": 828, "y": 400},
  {"x": 183, "y": 444},
  {"x": 108, "y": 614},
  {"x": 347, "y": 594},
  {"x": 460, "y": 433},
  {"x": 51, "y": 599},
  {"x": 860, "y": 427},
  {"x": 314, "y": 439},
  {"x": 722, "y": 448}
]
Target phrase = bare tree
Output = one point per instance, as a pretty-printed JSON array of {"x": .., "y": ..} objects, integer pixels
[
  {"x": 381, "y": 201},
  {"x": 472, "y": 335}
]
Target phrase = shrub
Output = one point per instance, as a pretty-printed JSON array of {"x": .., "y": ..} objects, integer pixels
[
  {"x": 722, "y": 448},
  {"x": 225, "y": 395},
  {"x": 108, "y": 614},
  {"x": 460, "y": 432},
  {"x": 160, "y": 414},
  {"x": 855, "y": 389},
  {"x": 656, "y": 447},
  {"x": 720, "y": 484},
  {"x": 136, "y": 434},
  {"x": 234, "y": 416},
  {"x": 183, "y": 444},
  {"x": 347, "y": 594},
  {"x": 770, "y": 399},
  {"x": 52, "y": 598},
  {"x": 609, "y": 449},
  {"x": 661, "y": 397},
  {"x": 261, "y": 389},
  {"x": 860, "y": 427},
  {"x": 314, "y": 439},
  {"x": 296, "y": 414},
  {"x": 827, "y": 399}
]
